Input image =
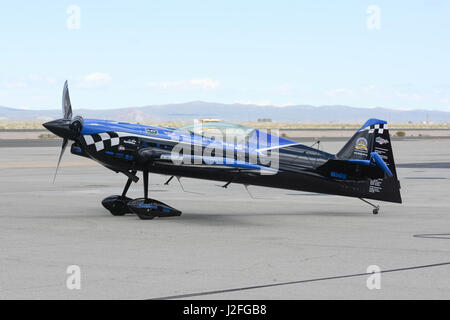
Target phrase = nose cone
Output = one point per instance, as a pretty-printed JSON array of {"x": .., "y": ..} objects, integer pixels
[{"x": 60, "y": 127}]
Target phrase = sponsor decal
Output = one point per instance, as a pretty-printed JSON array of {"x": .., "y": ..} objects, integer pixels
[
  {"x": 381, "y": 150},
  {"x": 381, "y": 141},
  {"x": 375, "y": 185},
  {"x": 384, "y": 154},
  {"x": 130, "y": 141},
  {"x": 151, "y": 131},
  {"x": 361, "y": 145},
  {"x": 338, "y": 175}
]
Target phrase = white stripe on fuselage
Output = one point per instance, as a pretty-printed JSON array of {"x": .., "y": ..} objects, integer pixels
[
  {"x": 123, "y": 134},
  {"x": 128, "y": 134},
  {"x": 278, "y": 147}
]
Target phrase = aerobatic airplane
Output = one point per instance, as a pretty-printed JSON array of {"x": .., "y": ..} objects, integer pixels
[{"x": 364, "y": 168}]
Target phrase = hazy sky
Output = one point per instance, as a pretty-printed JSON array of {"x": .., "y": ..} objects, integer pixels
[{"x": 361, "y": 53}]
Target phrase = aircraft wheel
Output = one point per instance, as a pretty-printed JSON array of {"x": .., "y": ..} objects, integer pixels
[
  {"x": 144, "y": 216},
  {"x": 117, "y": 205},
  {"x": 117, "y": 213},
  {"x": 147, "y": 209}
]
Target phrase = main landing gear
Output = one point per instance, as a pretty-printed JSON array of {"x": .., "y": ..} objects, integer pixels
[
  {"x": 375, "y": 208},
  {"x": 145, "y": 208}
]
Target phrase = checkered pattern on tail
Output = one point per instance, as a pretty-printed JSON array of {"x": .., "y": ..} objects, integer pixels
[
  {"x": 378, "y": 128},
  {"x": 102, "y": 140}
]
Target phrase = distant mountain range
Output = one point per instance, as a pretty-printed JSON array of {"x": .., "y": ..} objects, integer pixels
[{"x": 236, "y": 112}]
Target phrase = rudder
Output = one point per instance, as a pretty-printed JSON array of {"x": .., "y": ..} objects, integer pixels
[
  {"x": 373, "y": 136},
  {"x": 371, "y": 144}
]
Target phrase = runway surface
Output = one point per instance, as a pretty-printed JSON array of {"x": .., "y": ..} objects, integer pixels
[{"x": 277, "y": 244}]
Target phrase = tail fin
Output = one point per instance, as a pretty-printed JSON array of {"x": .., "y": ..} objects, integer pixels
[
  {"x": 373, "y": 136},
  {"x": 365, "y": 165}
]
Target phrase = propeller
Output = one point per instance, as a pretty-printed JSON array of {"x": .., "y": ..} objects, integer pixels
[
  {"x": 66, "y": 128},
  {"x": 66, "y": 105},
  {"x": 63, "y": 148},
  {"x": 67, "y": 114}
]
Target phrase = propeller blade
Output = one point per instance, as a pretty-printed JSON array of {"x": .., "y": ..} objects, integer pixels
[
  {"x": 63, "y": 148},
  {"x": 66, "y": 105}
]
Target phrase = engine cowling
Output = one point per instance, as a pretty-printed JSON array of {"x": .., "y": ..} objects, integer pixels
[{"x": 76, "y": 125}]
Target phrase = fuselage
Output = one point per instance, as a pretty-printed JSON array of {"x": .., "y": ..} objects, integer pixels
[
  {"x": 118, "y": 145},
  {"x": 247, "y": 156}
]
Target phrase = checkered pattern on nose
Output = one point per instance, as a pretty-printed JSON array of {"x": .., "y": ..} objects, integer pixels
[
  {"x": 378, "y": 128},
  {"x": 102, "y": 140}
]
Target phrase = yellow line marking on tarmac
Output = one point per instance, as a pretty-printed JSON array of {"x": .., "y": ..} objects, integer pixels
[{"x": 45, "y": 164}]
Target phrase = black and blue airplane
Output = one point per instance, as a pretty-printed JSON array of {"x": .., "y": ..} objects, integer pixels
[{"x": 364, "y": 168}]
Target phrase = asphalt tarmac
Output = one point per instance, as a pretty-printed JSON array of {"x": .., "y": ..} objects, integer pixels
[{"x": 227, "y": 244}]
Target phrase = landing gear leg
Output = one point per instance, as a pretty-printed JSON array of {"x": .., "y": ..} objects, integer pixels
[
  {"x": 127, "y": 186},
  {"x": 145, "y": 173},
  {"x": 375, "y": 208},
  {"x": 118, "y": 205},
  {"x": 147, "y": 209}
]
